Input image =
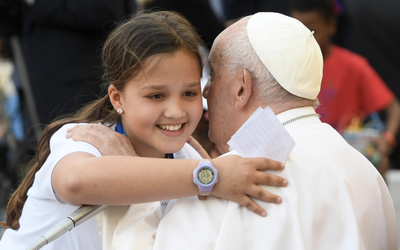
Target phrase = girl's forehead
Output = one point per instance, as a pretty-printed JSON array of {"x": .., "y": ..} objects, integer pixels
[
  {"x": 178, "y": 69},
  {"x": 145, "y": 83}
]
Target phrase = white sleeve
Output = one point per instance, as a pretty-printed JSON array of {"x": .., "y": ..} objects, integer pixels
[{"x": 59, "y": 147}]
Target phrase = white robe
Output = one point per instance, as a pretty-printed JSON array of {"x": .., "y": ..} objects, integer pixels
[
  {"x": 135, "y": 226},
  {"x": 335, "y": 199}
]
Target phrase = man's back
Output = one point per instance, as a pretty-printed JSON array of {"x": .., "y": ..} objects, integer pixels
[{"x": 335, "y": 200}]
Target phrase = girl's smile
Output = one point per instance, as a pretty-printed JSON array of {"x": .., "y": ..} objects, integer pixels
[{"x": 172, "y": 130}]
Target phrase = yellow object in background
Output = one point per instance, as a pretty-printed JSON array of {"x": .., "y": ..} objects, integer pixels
[{"x": 361, "y": 138}]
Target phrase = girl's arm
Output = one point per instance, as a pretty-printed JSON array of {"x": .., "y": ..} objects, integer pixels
[{"x": 81, "y": 178}]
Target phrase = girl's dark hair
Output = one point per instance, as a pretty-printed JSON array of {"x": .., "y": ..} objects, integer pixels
[{"x": 123, "y": 54}]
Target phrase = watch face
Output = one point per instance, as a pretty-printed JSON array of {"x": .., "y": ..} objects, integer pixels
[{"x": 205, "y": 176}]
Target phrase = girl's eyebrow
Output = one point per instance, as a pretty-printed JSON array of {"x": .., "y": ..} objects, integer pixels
[
  {"x": 194, "y": 84},
  {"x": 189, "y": 85},
  {"x": 154, "y": 87}
]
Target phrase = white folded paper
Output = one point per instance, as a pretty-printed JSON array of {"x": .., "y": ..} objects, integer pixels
[{"x": 262, "y": 135}]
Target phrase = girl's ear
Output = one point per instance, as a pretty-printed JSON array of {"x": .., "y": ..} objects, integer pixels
[
  {"x": 115, "y": 97},
  {"x": 243, "y": 89}
]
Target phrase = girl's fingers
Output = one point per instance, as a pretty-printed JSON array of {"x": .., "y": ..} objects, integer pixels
[
  {"x": 267, "y": 164},
  {"x": 270, "y": 180},
  {"x": 252, "y": 206},
  {"x": 264, "y": 195}
]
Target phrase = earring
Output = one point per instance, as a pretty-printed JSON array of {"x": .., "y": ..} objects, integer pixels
[{"x": 119, "y": 111}]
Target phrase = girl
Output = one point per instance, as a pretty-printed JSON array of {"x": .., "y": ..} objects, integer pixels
[{"x": 152, "y": 70}]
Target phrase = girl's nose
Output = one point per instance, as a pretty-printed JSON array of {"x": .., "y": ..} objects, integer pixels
[{"x": 175, "y": 109}]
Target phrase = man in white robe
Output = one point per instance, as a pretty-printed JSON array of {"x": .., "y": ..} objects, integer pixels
[{"x": 335, "y": 199}]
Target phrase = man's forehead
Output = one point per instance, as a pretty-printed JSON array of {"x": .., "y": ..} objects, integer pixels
[
  {"x": 222, "y": 39},
  {"x": 215, "y": 45},
  {"x": 215, "y": 54}
]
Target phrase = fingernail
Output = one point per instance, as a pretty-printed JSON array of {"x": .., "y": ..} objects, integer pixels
[
  {"x": 263, "y": 214},
  {"x": 282, "y": 165},
  {"x": 284, "y": 183},
  {"x": 278, "y": 200}
]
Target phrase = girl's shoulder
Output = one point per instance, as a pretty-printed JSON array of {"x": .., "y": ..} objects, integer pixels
[
  {"x": 60, "y": 144},
  {"x": 61, "y": 132}
]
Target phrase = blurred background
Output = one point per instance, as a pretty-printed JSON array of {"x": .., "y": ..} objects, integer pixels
[{"x": 50, "y": 66}]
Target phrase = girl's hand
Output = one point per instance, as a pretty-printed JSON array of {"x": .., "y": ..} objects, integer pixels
[
  {"x": 196, "y": 145},
  {"x": 106, "y": 140},
  {"x": 238, "y": 179}
]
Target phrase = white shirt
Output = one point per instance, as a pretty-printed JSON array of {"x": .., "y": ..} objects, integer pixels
[
  {"x": 335, "y": 199},
  {"x": 43, "y": 209}
]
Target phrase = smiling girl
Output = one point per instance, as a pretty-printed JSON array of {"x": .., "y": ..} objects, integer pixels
[{"x": 152, "y": 71}]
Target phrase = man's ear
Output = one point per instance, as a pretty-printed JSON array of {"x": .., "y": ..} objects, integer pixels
[
  {"x": 243, "y": 89},
  {"x": 115, "y": 97}
]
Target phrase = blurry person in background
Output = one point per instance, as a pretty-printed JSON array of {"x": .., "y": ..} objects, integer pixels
[
  {"x": 350, "y": 88},
  {"x": 376, "y": 29},
  {"x": 62, "y": 41},
  {"x": 236, "y": 9},
  {"x": 199, "y": 13}
]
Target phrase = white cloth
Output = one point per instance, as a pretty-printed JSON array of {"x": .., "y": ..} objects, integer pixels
[
  {"x": 135, "y": 226},
  {"x": 43, "y": 209},
  {"x": 335, "y": 199}
]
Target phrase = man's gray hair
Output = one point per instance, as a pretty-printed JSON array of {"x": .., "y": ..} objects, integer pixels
[{"x": 241, "y": 55}]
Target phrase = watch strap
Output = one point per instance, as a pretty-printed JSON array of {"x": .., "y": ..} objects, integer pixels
[
  {"x": 202, "y": 197},
  {"x": 202, "y": 193}
]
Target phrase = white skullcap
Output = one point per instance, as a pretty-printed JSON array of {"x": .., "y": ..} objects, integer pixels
[{"x": 289, "y": 51}]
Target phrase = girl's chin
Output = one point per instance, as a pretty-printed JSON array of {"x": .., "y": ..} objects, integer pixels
[{"x": 173, "y": 148}]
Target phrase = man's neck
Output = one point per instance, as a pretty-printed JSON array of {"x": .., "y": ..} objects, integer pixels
[
  {"x": 277, "y": 109},
  {"x": 280, "y": 109}
]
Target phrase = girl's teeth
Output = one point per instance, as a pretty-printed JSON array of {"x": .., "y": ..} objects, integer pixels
[{"x": 171, "y": 127}]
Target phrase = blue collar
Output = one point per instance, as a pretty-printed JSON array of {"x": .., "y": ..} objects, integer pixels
[{"x": 120, "y": 129}]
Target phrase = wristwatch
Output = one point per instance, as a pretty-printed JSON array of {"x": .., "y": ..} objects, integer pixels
[{"x": 205, "y": 176}]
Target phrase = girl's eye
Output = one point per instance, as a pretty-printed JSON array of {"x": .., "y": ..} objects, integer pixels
[
  {"x": 189, "y": 94},
  {"x": 156, "y": 96}
]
